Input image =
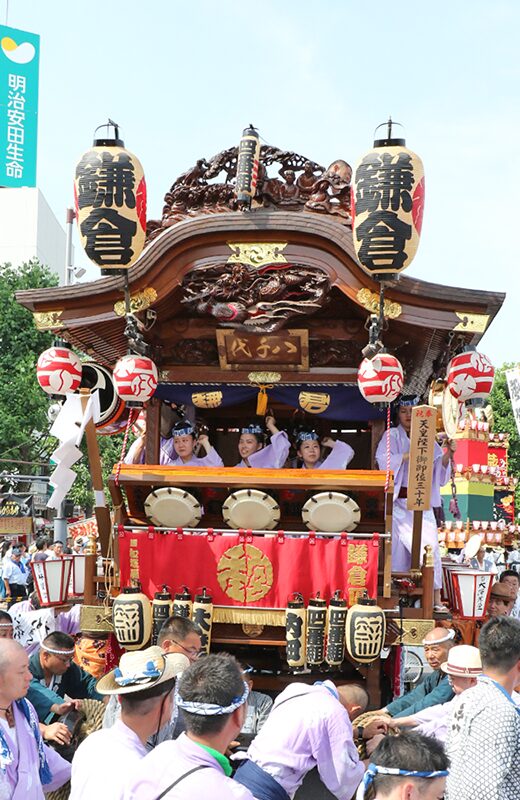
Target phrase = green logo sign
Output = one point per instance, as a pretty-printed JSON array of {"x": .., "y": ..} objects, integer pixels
[{"x": 19, "y": 60}]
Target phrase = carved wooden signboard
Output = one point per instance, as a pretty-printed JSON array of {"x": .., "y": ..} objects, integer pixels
[
  {"x": 288, "y": 349},
  {"x": 422, "y": 440}
]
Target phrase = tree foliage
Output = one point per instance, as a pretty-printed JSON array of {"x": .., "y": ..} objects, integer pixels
[
  {"x": 505, "y": 422},
  {"x": 23, "y": 405}
]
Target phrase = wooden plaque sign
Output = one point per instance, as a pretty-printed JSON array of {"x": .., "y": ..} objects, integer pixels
[
  {"x": 420, "y": 469},
  {"x": 288, "y": 349}
]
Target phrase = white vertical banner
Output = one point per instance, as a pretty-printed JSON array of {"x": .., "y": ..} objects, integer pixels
[{"x": 513, "y": 383}]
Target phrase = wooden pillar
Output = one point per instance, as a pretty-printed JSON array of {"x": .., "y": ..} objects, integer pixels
[
  {"x": 90, "y": 593},
  {"x": 153, "y": 431},
  {"x": 427, "y": 582},
  {"x": 416, "y": 539},
  {"x": 104, "y": 524}
]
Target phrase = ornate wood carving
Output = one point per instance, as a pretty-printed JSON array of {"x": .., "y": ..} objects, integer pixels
[
  {"x": 370, "y": 301},
  {"x": 47, "y": 320},
  {"x": 194, "y": 351},
  {"x": 335, "y": 353},
  {"x": 255, "y": 300},
  {"x": 139, "y": 301},
  {"x": 286, "y": 180}
]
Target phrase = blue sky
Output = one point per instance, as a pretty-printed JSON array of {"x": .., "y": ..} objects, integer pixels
[{"x": 183, "y": 79}]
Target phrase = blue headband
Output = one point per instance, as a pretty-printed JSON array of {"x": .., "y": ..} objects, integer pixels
[
  {"x": 210, "y": 709},
  {"x": 374, "y": 769},
  {"x": 307, "y": 436},
  {"x": 256, "y": 430},
  {"x": 183, "y": 429},
  {"x": 408, "y": 400}
]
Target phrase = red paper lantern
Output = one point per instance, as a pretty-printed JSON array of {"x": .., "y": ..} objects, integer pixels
[
  {"x": 380, "y": 379},
  {"x": 135, "y": 379},
  {"x": 387, "y": 201},
  {"x": 470, "y": 375},
  {"x": 58, "y": 370}
]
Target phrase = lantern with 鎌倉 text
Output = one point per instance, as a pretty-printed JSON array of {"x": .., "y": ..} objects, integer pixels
[
  {"x": 161, "y": 610},
  {"x": 135, "y": 378},
  {"x": 336, "y": 617},
  {"x": 132, "y": 618},
  {"x": 380, "y": 379},
  {"x": 182, "y": 604},
  {"x": 203, "y": 618},
  {"x": 387, "y": 200},
  {"x": 316, "y": 618},
  {"x": 296, "y": 632},
  {"x": 52, "y": 580},
  {"x": 470, "y": 375},
  {"x": 365, "y": 629},
  {"x": 110, "y": 200},
  {"x": 247, "y": 166},
  {"x": 58, "y": 370}
]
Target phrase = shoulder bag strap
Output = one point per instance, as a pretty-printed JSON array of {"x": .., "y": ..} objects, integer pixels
[{"x": 186, "y": 775}]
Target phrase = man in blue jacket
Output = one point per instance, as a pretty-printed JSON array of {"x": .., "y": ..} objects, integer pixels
[
  {"x": 56, "y": 675},
  {"x": 435, "y": 688}
]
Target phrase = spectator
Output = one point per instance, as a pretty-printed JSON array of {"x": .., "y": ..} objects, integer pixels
[
  {"x": 41, "y": 546},
  {"x": 15, "y": 576},
  {"x": 55, "y": 675},
  {"x": 6, "y": 625},
  {"x": 144, "y": 682},
  {"x": 512, "y": 579},
  {"x": 212, "y": 695},
  {"x": 501, "y": 601},
  {"x": 484, "y": 734},
  {"x": 28, "y": 766},
  {"x": 259, "y": 706},
  {"x": 406, "y": 767}
]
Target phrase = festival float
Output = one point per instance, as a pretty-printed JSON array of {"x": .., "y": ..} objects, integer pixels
[{"x": 270, "y": 285}]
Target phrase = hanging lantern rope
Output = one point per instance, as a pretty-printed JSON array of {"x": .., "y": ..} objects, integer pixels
[
  {"x": 387, "y": 478},
  {"x": 129, "y": 423}
]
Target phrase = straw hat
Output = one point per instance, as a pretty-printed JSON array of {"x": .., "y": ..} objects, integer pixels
[
  {"x": 463, "y": 660},
  {"x": 473, "y": 545},
  {"x": 142, "y": 669},
  {"x": 503, "y": 591}
]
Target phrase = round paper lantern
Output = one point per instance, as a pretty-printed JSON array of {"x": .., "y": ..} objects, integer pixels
[
  {"x": 470, "y": 375},
  {"x": 387, "y": 200},
  {"x": 132, "y": 618},
  {"x": 110, "y": 200},
  {"x": 380, "y": 379},
  {"x": 247, "y": 166},
  {"x": 316, "y": 619},
  {"x": 182, "y": 603},
  {"x": 365, "y": 630},
  {"x": 135, "y": 379},
  {"x": 335, "y": 633},
  {"x": 58, "y": 370}
]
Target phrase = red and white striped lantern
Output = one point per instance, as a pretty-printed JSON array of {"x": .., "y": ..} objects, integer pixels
[
  {"x": 380, "y": 379},
  {"x": 135, "y": 379},
  {"x": 58, "y": 370},
  {"x": 470, "y": 375}
]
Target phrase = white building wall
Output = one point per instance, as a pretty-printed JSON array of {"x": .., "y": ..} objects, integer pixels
[{"x": 29, "y": 229}]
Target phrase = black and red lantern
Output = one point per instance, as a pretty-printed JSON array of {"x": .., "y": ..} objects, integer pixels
[
  {"x": 110, "y": 200},
  {"x": 58, "y": 370},
  {"x": 387, "y": 201},
  {"x": 470, "y": 375},
  {"x": 380, "y": 379},
  {"x": 248, "y": 164},
  {"x": 135, "y": 378}
]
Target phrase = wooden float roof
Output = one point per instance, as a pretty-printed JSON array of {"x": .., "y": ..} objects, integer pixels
[{"x": 424, "y": 318}]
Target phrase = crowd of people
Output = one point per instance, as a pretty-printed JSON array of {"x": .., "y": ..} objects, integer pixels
[{"x": 178, "y": 726}]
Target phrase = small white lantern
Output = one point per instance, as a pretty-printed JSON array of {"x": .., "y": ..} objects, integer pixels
[
  {"x": 472, "y": 589},
  {"x": 77, "y": 576},
  {"x": 51, "y": 580}
]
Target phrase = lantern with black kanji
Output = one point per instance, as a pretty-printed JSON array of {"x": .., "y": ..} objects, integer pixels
[
  {"x": 387, "y": 200},
  {"x": 316, "y": 618},
  {"x": 336, "y": 617},
  {"x": 161, "y": 610},
  {"x": 470, "y": 375},
  {"x": 380, "y": 379},
  {"x": 132, "y": 618},
  {"x": 110, "y": 200},
  {"x": 296, "y": 631},
  {"x": 365, "y": 629},
  {"x": 203, "y": 618},
  {"x": 58, "y": 370},
  {"x": 182, "y": 603},
  {"x": 248, "y": 163},
  {"x": 135, "y": 378}
]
